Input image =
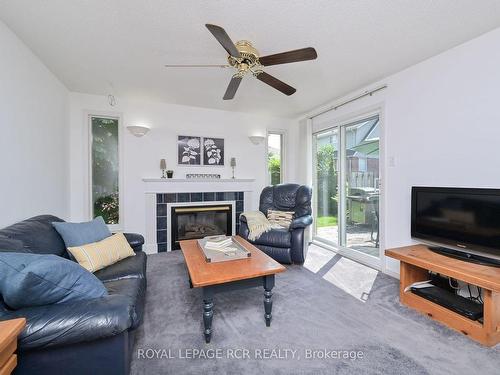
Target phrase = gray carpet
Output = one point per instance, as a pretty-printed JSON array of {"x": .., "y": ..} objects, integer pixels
[{"x": 309, "y": 312}]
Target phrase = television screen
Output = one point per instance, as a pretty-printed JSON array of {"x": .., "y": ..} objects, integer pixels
[{"x": 461, "y": 217}]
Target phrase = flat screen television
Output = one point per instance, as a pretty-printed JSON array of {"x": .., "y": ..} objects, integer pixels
[{"x": 463, "y": 222}]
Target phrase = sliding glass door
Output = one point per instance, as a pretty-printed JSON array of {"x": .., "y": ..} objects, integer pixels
[
  {"x": 347, "y": 179},
  {"x": 326, "y": 152},
  {"x": 361, "y": 186}
]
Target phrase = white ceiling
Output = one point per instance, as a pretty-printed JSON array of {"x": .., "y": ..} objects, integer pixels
[{"x": 88, "y": 43}]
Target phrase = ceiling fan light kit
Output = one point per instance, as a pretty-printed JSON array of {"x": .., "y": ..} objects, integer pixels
[{"x": 245, "y": 58}]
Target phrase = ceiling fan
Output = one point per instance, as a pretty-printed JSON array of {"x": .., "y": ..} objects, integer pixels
[{"x": 245, "y": 58}]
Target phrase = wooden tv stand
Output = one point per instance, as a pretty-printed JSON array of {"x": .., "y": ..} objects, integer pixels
[{"x": 417, "y": 260}]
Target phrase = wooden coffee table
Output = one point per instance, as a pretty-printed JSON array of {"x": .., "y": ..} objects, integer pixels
[{"x": 212, "y": 278}]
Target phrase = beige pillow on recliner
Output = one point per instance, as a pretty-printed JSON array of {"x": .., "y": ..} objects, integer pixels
[{"x": 281, "y": 218}]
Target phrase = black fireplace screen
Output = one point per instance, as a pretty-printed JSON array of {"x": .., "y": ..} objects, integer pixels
[{"x": 195, "y": 222}]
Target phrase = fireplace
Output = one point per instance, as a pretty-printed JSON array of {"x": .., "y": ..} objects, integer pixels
[
  {"x": 198, "y": 221},
  {"x": 165, "y": 202}
]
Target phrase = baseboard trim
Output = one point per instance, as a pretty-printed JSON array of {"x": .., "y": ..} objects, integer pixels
[
  {"x": 151, "y": 248},
  {"x": 392, "y": 273}
]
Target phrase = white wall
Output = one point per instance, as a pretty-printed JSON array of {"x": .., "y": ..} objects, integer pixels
[
  {"x": 141, "y": 156},
  {"x": 33, "y": 134},
  {"x": 441, "y": 126}
]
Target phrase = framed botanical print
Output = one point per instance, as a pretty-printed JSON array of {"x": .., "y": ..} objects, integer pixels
[
  {"x": 188, "y": 150},
  {"x": 213, "y": 151}
]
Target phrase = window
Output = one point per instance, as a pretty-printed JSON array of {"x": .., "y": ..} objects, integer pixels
[
  {"x": 104, "y": 164},
  {"x": 275, "y": 157}
]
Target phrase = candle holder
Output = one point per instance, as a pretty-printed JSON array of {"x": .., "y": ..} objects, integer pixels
[
  {"x": 233, "y": 164},
  {"x": 163, "y": 167}
]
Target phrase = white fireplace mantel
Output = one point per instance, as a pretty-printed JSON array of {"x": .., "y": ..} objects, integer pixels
[
  {"x": 192, "y": 185},
  {"x": 170, "y": 180}
]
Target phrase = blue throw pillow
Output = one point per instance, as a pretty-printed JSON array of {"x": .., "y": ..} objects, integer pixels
[
  {"x": 78, "y": 234},
  {"x": 35, "y": 280}
]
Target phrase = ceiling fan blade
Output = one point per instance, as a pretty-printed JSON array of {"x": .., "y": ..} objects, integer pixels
[
  {"x": 220, "y": 34},
  {"x": 276, "y": 83},
  {"x": 297, "y": 55},
  {"x": 232, "y": 87},
  {"x": 196, "y": 66}
]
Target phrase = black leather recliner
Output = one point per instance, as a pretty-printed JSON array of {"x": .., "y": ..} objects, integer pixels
[
  {"x": 93, "y": 336},
  {"x": 284, "y": 245}
]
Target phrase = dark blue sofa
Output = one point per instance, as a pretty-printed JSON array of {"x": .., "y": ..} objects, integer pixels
[{"x": 93, "y": 336}]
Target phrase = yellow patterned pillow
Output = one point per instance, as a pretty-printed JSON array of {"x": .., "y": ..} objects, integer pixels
[{"x": 98, "y": 255}]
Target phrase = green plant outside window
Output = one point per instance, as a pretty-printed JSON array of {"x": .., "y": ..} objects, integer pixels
[{"x": 105, "y": 169}]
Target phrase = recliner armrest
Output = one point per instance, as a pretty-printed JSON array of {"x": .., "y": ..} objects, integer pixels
[
  {"x": 301, "y": 222},
  {"x": 135, "y": 240},
  {"x": 70, "y": 323},
  {"x": 243, "y": 218}
]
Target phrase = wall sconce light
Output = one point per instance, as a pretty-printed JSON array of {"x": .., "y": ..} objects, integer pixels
[
  {"x": 138, "y": 130},
  {"x": 256, "y": 139}
]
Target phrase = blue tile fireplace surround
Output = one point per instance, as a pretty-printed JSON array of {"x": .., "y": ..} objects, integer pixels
[{"x": 162, "y": 199}]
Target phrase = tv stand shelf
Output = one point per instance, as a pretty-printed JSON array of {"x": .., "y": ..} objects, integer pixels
[{"x": 417, "y": 260}]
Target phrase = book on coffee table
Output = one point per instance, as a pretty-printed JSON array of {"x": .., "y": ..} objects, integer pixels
[
  {"x": 221, "y": 249},
  {"x": 218, "y": 242}
]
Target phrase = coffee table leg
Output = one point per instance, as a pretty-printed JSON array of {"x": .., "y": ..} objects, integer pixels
[
  {"x": 268, "y": 303},
  {"x": 208, "y": 313}
]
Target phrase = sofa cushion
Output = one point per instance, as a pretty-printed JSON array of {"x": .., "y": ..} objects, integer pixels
[
  {"x": 10, "y": 245},
  {"x": 3, "y": 307},
  {"x": 34, "y": 280},
  {"x": 132, "y": 267},
  {"x": 37, "y": 235},
  {"x": 64, "y": 324},
  {"x": 276, "y": 237},
  {"x": 135, "y": 290},
  {"x": 77, "y": 234},
  {"x": 97, "y": 255}
]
